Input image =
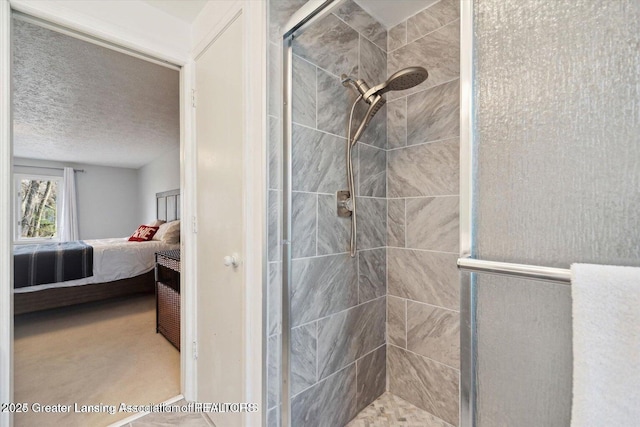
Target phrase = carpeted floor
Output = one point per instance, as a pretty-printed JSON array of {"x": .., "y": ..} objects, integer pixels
[{"x": 103, "y": 353}]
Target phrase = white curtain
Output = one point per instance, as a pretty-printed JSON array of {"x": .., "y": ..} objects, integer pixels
[{"x": 69, "y": 208}]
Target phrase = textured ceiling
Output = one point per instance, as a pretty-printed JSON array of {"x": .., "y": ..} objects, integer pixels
[
  {"x": 186, "y": 10},
  {"x": 75, "y": 101},
  {"x": 391, "y": 13}
]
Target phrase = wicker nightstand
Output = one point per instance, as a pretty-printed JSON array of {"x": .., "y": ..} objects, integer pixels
[{"x": 168, "y": 295}]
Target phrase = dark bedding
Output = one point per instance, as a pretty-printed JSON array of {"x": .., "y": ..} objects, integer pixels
[{"x": 51, "y": 263}]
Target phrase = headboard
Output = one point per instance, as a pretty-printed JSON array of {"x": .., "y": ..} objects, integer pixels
[{"x": 168, "y": 205}]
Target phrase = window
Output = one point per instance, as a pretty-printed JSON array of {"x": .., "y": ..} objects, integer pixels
[{"x": 37, "y": 214}]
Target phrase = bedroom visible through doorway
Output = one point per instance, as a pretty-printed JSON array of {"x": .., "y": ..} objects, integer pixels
[{"x": 97, "y": 203}]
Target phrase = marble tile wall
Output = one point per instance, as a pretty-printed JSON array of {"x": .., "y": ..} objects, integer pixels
[
  {"x": 422, "y": 215},
  {"x": 338, "y": 305}
]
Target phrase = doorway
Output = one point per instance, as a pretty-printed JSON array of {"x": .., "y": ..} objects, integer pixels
[{"x": 90, "y": 107}]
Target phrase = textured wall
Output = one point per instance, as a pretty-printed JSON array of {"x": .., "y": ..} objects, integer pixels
[
  {"x": 422, "y": 189},
  {"x": 162, "y": 174},
  {"x": 338, "y": 304},
  {"x": 557, "y": 94}
]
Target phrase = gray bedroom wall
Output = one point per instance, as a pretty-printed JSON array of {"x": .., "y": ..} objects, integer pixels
[
  {"x": 423, "y": 191},
  {"x": 107, "y": 197},
  {"x": 162, "y": 174}
]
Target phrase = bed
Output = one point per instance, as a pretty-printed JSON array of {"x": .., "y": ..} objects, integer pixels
[{"x": 119, "y": 268}]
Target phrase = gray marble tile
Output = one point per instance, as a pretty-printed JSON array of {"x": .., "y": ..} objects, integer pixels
[
  {"x": 322, "y": 286},
  {"x": 303, "y": 357},
  {"x": 376, "y": 133},
  {"x": 372, "y": 376},
  {"x": 333, "y": 231},
  {"x": 364, "y": 23},
  {"x": 434, "y": 332},
  {"x": 273, "y": 417},
  {"x": 334, "y": 104},
  {"x": 279, "y": 13},
  {"x": 331, "y": 402},
  {"x": 397, "y": 321},
  {"x": 330, "y": 44},
  {"x": 429, "y": 277},
  {"x": 303, "y": 224},
  {"x": 274, "y": 88},
  {"x": 273, "y": 227},
  {"x": 373, "y": 63},
  {"x": 421, "y": 24},
  {"x": 397, "y": 123},
  {"x": 303, "y": 90},
  {"x": 372, "y": 171},
  {"x": 273, "y": 371},
  {"x": 427, "y": 384},
  {"x": 425, "y": 170},
  {"x": 349, "y": 335},
  {"x": 275, "y": 153},
  {"x": 397, "y": 36},
  {"x": 372, "y": 274},
  {"x": 433, "y": 223},
  {"x": 372, "y": 222},
  {"x": 434, "y": 114},
  {"x": 432, "y": 18},
  {"x": 318, "y": 161},
  {"x": 438, "y": 52},
  {"x": 275, "y": 297},
  {"x": 395, "y": 223},
  {"x": 390, "y": 411}
]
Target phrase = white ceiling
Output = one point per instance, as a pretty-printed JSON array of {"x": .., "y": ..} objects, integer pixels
[
  {"x": 78, "y": 102},
  {"x": 392, "y": 12},
  {"x": 388, "y": 12},
  {"x": 187, "y": 10}
]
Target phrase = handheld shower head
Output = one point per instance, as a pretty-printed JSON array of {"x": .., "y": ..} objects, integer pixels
[{"x": 400, "y": 80}]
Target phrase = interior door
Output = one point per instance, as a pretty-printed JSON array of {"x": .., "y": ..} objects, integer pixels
[{"x": 219, "y": 135}]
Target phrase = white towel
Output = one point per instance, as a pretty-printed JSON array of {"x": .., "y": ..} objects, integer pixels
[{"x": 606, "y": 346}]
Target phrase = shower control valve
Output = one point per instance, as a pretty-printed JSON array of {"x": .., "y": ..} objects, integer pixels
[{"x": 345, "y": 203}]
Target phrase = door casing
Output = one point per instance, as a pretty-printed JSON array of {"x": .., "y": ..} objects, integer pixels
[{"x": 202, "y": 31}]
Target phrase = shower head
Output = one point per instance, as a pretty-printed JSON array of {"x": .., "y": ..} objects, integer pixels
[{"x": 400, "y": 80}]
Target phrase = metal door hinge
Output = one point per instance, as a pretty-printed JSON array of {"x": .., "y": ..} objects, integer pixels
[
  {"x": 195, "y": 225},
  {"x": 193, "y": 98},
  {"x": 195, "y": 349}
]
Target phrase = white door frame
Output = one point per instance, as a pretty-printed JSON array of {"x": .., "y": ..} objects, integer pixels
[
  {"x": 6, "y": 212},
  {"x": 211, "y": 23},
  {"x": 254, "y": 171}
]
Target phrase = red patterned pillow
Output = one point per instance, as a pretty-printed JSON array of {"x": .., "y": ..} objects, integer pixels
[{"x": 144, "y": 233}]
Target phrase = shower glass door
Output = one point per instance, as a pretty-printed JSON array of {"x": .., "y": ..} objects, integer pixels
[
  {"x": 555, "y": 183},
  {"x": 332, "y": 327}
]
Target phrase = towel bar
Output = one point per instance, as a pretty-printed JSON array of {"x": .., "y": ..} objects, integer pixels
[{"x": 534, "y": 272}]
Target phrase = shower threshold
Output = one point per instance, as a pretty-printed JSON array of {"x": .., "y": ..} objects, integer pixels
[{"x": 391, "y": 411}]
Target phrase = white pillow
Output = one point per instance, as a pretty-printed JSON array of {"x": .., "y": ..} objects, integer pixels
[
  {"x": 156, "y": 223},
  {"x": 169, "y": 232}
]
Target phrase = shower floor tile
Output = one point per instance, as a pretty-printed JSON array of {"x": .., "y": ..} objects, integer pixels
[{"x": 391, "y": 411}]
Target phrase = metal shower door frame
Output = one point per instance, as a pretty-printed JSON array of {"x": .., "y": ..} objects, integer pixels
[
  {"x": 468, "y": 291},
  {"x": 310, "y": 12}
]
